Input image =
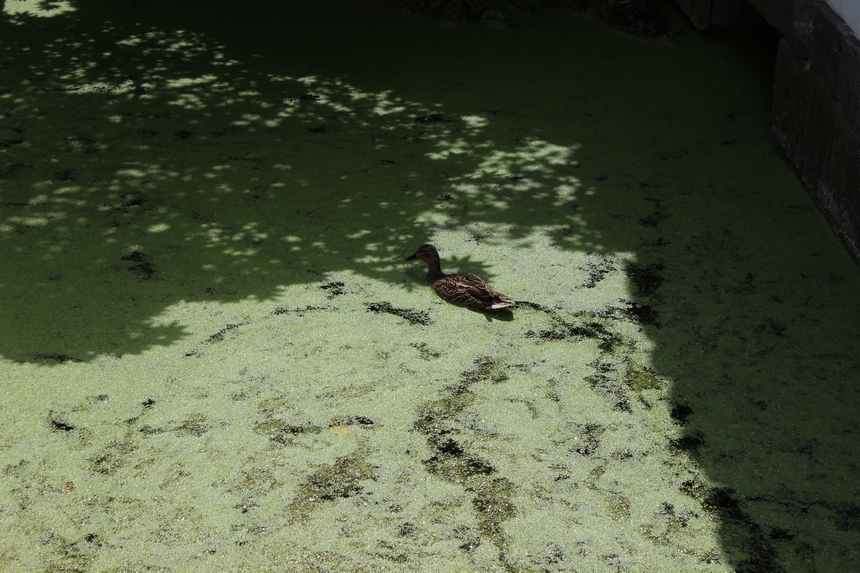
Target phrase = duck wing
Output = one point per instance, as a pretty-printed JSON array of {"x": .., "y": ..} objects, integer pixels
[{"x": 470, "y": 290}]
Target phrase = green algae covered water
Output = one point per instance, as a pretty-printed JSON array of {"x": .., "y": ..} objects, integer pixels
[{"x": 214, "y": 357}]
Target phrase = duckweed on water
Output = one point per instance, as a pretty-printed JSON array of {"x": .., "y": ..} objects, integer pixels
[
  {"x": 194, "y": 425},
  {"x": 341, "y": 479},
  {"x": 451, "y": 462},
  {"x": 424, "y": 351},
  {"x": 283, "y": 433},
  {"x": 410, "y": 315},
  {"x": 113, "y": 457},
  {"x": 640, "y": 378},
  {"x": 691, "y": 320}
]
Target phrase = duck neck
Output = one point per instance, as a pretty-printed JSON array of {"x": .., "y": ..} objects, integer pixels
[{"x": 434, "y": 271}]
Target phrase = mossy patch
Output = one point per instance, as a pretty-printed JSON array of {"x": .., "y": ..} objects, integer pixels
[
  {"x": 334, "y": 288},
  {"x": 588, "y": 325},
  {"x": 341, "y": 479},
  {"x": 283, "y": 433},
  {"x": 424, "y": 351},
  {"x": 113, "y": 456},
  {"x": 140, "y": 266},
  {"x": 452, "y": 462},
  {"x": 640, "y": 378},
  {"x": 409, "y": 315}
]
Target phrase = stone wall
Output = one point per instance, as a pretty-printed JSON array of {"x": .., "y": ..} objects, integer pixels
[
  {"x": 816, "y": 107},
  {"x": 848, "y": 10},
  {"x": 711, "y": 14}
]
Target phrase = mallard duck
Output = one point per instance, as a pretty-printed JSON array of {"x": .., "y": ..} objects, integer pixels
[{"x": 464, "y": 289}]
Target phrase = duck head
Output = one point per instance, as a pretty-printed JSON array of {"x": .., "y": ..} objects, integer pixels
[{"x": 426, "y": 253}]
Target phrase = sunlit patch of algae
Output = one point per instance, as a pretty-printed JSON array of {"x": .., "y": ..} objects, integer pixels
[{"x": 215, "y": 358}]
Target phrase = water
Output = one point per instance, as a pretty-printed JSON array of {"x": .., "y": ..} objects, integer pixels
[{"x": 215, "y": 355}]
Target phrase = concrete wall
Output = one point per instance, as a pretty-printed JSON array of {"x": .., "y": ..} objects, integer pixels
[
  {"x": 848, "y": 10},
  {"x": 708, "y": 14},
  {"x": 816, "y": 99}
]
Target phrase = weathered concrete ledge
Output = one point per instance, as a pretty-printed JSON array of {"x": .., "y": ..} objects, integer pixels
[
  {"x": 720, "y": 14},
  {"x": 816, "y": 108}
]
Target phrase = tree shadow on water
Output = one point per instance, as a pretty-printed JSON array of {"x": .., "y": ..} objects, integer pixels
[{"x": 174, "y": 174}]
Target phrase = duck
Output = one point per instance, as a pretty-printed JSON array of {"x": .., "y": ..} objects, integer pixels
[{"x": 462, "y": 289}]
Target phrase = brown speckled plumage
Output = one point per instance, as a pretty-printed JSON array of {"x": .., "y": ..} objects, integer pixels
[{"x": 464, "y": 289}]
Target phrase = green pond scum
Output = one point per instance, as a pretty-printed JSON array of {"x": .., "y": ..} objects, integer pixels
[{"x": 214, "y": 357}]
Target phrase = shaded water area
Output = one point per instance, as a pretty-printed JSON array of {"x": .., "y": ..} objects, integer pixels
[{"x": 214, "y": 357}]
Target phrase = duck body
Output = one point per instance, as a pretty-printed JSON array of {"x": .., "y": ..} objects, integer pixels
[{"x": 463, "y": 289}]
